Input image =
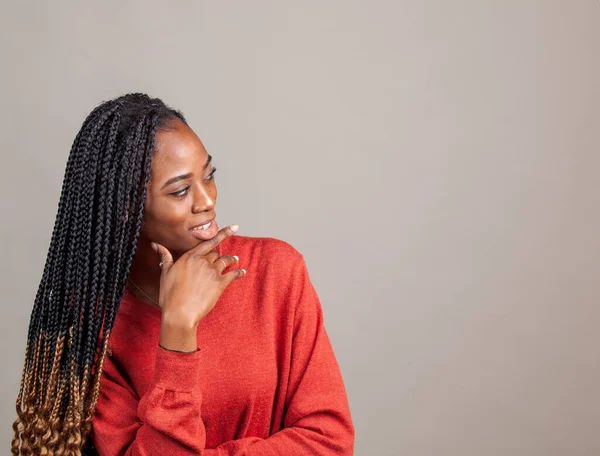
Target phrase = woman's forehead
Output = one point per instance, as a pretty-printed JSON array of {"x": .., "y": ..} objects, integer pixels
[{"x": 178, "y": 147}]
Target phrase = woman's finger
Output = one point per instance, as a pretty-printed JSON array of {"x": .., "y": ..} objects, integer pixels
[
  {"x": 166, "y": 260},
  {"x": 233, "y": 275},
  {"x": 206, "y": 246},
  {"x": 225, "y": 261},
  {"x": 212, "y": 256}
]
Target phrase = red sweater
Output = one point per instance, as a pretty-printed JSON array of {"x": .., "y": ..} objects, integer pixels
[{"x": 265, "y": 380}]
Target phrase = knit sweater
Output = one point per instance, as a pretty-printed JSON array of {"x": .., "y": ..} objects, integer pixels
[{"x": 264, "y": 381}]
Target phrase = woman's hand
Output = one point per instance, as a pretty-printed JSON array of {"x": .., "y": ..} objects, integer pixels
[{"x": 190, "y": 288}]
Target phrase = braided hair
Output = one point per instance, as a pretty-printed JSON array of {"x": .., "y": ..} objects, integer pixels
[{"x": 93, "y": 243}]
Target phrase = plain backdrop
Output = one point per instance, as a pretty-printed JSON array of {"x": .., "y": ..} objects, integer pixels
[{"x": 436, "y": 162}]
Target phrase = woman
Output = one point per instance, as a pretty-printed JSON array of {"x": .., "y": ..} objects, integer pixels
[{"x": 153, "y": 331}]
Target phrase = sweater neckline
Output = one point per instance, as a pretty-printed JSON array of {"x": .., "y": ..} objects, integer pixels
[{"x": 138, "y": 307}]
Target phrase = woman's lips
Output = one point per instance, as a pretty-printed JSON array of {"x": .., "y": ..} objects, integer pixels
[{"x": 209, "y": 233}]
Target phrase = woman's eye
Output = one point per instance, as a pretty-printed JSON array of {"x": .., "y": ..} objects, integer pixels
[
  {"x": 212, "y": 174},
  {"x": 182, "y": 192}
]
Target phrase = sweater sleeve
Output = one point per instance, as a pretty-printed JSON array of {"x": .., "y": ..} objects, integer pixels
[
  {"x": 166, "y": 420},
  {"x": 317, "y": 418}
]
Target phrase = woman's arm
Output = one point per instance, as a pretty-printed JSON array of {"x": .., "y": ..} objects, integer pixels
[
  {"x": 317, "y": 419},
  {"x": 167, "y": 419}
]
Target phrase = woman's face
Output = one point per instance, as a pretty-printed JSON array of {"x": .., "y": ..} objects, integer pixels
[{"x": 181, "y": 192}]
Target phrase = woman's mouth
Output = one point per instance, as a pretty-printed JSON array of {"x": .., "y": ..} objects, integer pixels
[{"x": 206, "y": 231}]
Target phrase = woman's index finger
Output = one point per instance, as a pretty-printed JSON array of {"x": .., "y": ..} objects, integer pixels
[{"x": 206, "y": 246}]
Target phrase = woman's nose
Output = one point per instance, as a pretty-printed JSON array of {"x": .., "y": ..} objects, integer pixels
[{"x": 203, "y": 200}]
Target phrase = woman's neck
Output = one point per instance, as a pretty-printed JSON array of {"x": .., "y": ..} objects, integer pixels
[{"x": 145, "y": 275}]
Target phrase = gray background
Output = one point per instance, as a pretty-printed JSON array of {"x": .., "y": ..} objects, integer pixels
[{"x": 435, "y": 162}]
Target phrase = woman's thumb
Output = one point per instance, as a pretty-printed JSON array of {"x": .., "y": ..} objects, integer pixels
[{"x": 166, "y": 260}]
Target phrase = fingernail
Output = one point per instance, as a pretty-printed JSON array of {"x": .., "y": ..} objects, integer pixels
[
  {"x": 154, "y": 246},
  {"x": 234, "y": 228},
  {"x": 236, "y": 257}
]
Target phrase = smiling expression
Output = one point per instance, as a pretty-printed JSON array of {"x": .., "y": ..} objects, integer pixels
[{"x": 181, "y": 191}]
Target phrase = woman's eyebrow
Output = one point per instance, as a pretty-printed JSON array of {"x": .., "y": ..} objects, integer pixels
[{"x": 184, "y": 176}]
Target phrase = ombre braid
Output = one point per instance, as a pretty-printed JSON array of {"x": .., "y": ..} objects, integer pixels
[{"x": 93, "y": 243}]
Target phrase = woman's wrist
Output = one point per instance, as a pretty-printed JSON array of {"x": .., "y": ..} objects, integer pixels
[
  {"x": 178, "y": 338},
  {"x": 178, "y": 351}
]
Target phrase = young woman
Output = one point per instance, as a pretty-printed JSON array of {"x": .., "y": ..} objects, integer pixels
[{"x": 153, "y": 331}]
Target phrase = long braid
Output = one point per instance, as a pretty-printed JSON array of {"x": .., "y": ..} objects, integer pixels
[
  {"x": 93, "y": 244},
  {"x": 100, "y": 251}
]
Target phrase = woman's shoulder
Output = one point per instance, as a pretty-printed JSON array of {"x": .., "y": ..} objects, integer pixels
[
  {"x": 265, "y": 244},
  {"x": 266, "y": 251}
]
